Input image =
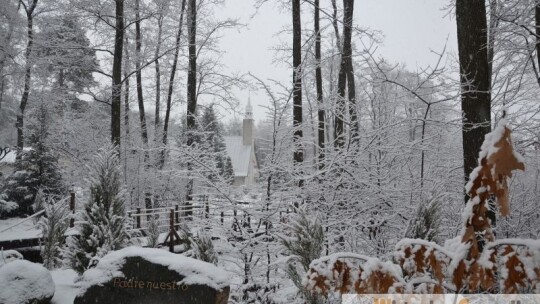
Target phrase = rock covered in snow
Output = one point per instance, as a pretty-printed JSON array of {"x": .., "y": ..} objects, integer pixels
[
  {"x": 7, "y": 256},
  {"x": 24, "y": 282},
  {"x": 148, "y": 275}
]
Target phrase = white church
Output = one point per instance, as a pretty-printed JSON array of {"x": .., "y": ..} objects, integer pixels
[{"x": 241, "y": 150}]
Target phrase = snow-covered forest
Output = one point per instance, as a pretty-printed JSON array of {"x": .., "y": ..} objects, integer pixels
[{"x": 125, "y": 123}]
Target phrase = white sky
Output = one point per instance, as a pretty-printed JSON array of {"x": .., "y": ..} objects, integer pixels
[{"x": 411, "y": 29}]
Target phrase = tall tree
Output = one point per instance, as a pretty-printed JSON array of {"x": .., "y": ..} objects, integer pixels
[
  {"x": 191, "y": 87},
  {"x": 537, "y": 23},
  {"x": 298, "y": 156},
  {"x": 475, "y": 79},
  {"x": 138, "y": 77},
  {"x": 319, "y": 85},
  {"x": 345, "y": 80},
  {"x": 29, "y": 9},
  {"x": 347, "y": 52},
  {"x": 171, "y": 85},
  {"x": 116, "y": 98},
  {"x": 157, "y": 120}
]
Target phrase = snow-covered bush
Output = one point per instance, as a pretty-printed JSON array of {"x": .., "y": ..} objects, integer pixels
[
  {"x": 203, "y": 248},
  {"x": 103, "y": 224},
  {"x": 6, "y": 207},
  {"x": 152, "y": 233},
  {"x": 425, "y": 225},
  {"x": 475, "y": 263},
  {"x": 304, "y": 245},
  {"x": 53, "y": 224}
]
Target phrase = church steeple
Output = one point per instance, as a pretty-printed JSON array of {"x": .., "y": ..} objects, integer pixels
[
  {"x": 249, "y": 109},
  {"x": 247, "y": 129}
]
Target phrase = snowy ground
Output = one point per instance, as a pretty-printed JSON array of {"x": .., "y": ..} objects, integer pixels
[{"x": 65, "y": 291}]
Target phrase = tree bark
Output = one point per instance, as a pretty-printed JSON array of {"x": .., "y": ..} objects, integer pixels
[
  {"x": 191, "y": 91},
  {"x": 475, "y": 79},
  {"x": 117, "y": 74},
  {"x": 335, "y": 24},
  {"x": 29, "y": 9},
  {"x": 157, "y": 121},
  {"x": 348, "y": 6},
  {"x": 171, "y": 86},
  {"x": 345, "y": 77},
  {"x": 319, "y": 86},
  {"x": 537, "y": 19},
  {"x": 298, "y": 156},
  {"x": 126, "y": 91},
  {"x": 138, "y": 76}
]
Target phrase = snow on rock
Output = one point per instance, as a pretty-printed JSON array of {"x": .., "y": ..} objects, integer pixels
[
  {"x": 25, "y": 282},
  {"x": 7, "y": 256},
  {"x": 193, "y": 271}
]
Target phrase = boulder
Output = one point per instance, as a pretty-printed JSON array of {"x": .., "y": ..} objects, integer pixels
[
  {"x": 24, "y": 282},
  {"x": 7, "y": 256},
  {"x": 146, "y": 275}
]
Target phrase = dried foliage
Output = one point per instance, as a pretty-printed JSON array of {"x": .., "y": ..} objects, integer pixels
[{"x": 476, "y": 263}]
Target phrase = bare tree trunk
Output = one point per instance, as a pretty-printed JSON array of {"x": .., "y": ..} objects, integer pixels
[
  {"x": 537, "y": 19},
  {"x": 191, "y": 90},
  {"x": 171, "y": 86},
  {"x": 126, "y": 90},
  {"x": 475, "y": 78},
  {"x": 493, "y": 24},
  {"x": 117, "y": 74},
  {"x": 319, "y": 85},
  {"x": 335, "y": 24},
  {"x": 348, "y": 6},
  {"x": 157, "y": 122},
  {"x": 29, "y": 9},
  {"x": 138, "y": 76},
  {"x": 298, "y": 155}
]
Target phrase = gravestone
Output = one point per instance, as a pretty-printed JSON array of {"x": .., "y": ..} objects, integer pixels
[{"x": 143, "y": 275}]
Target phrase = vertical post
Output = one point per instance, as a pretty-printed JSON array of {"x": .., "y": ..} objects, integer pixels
[
  {"x": 171, "y": 229},
  {"x": 222, "y": 216},
  {"x": 234, "y": 220},
  {"x": 206, "y": 209},
  {"x": 72, "y": 208},
  {"x": 176, "y": 216},
  {"x": 138, "y": 217},
  {"x": 130, "y": 215}
]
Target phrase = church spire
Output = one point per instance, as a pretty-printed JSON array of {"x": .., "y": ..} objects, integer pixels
[
  {"x": 249, "y": 109},
  {"x": 247, "y": 126}
]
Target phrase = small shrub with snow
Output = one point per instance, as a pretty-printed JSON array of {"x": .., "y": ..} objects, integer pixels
[
  {"x": 203, "y": 249},
  {"x": 305, "y": 245},
  {"x": 53, "y": 224},
  {"x": 425, "y": 225},
  {"x": 6, "y": 206}
]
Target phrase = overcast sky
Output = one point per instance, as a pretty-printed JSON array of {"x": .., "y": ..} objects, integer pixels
[{"x": 411, "y": 29}]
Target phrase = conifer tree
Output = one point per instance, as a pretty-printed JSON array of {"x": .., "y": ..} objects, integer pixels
[
  {"x": 103, "y": 223},
  {"x": 216, "y": 143},
  {"x": 36, "y": 169}
]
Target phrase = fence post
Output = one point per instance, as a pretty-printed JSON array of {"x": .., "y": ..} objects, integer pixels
[
  {"x": 130, "y": 215},
  {"x": 234, "y": 220},
  {"x": 72, "y": 209},
  {"x": 171, "y": 228},
  {"x": 138, "y": 218},
  {"x": 222, "y": 215},
  {"x": 176, "y": 217},
  {"x": 206, "y": 209}
]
